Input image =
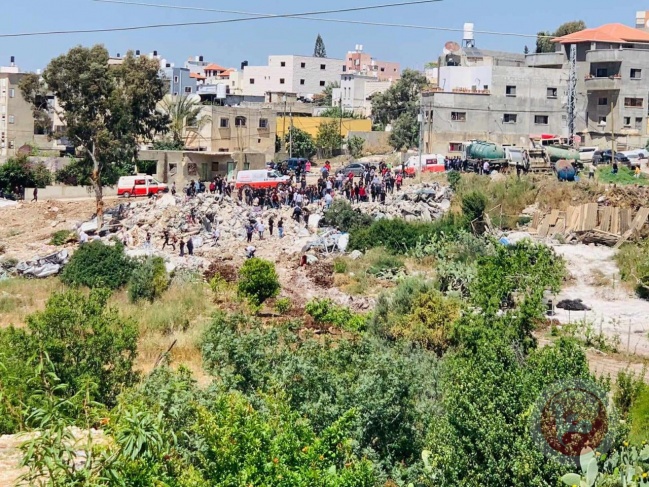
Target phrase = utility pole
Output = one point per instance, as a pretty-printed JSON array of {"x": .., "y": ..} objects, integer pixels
[
  {"x": 420, "y": 118},
  {"x": 612, "y": 135},
  {"x": 290, "y": 135},
  {"x": 341, "y": 120},
  {"x": 284, "y": 117}
]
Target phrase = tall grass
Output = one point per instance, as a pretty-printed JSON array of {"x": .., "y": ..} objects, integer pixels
[
  {"x": 21, "y": 297},
  {"x": 624, "y": 176}
]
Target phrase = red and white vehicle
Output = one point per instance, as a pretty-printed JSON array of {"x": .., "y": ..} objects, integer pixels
[
  {"x": 429, "y": 163},
  {"x": 140, "y": 185},
  {"x": 261, "y": 179}
]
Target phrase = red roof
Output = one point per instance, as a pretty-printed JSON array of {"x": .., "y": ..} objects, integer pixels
[
  {"x": 227, "y": 72},
  {"x": 197, "y": 76},
  {"x": 214, "y": 67},
  {"x": 616, "y": 33}
]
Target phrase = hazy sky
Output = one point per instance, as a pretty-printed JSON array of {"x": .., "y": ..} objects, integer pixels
[{"x": 229, "y": 44}]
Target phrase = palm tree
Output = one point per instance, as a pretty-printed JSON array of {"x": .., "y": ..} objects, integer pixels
[{"x": 186, "y": 118}]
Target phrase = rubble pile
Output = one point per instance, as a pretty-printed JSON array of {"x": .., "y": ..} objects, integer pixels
[{"x": 425, "y": 203}]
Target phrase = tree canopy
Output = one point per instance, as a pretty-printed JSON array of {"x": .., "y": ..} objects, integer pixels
[
  {"x": 185, "y": 119},
  {"x": 107, "y": 110},
  {"x": 329, "y": 137},
  {"x": 303, "y": 144},
  {"x": 399, "y": 106},
  {"x": 544, "y": 38},
  {"x": 319, "y": 50}
]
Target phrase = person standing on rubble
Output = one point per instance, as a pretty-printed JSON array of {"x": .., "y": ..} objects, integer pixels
[
  {"x": 249, "y": 232},
  {"x": 173, "y": 188},
  {"x": 260, "y": 229},
  {"x": 280, "y": 227},
  {"x": 182, "y": 247},
  {"x": 190, "y": 246},
  {"x": 165, "y": 234},
  {"x": 216, "y": 234},
  {"x": 271, "y": 224}
]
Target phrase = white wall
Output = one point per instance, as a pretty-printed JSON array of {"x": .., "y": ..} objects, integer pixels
[{"x": 465, "y": 77}]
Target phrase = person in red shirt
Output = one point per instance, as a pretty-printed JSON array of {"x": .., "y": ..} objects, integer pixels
[{"x": 361, "y": 193}]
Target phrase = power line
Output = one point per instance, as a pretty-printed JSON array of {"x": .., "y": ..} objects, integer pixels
[
  {"x": 213, "y": 22},
  {"x": 320, "y": 19}
]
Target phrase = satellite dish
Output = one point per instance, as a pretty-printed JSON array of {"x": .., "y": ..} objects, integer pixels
[{"x": 451, "y": 47}]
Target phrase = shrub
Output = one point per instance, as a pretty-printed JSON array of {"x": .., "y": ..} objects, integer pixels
[
  {"x": 340, "y": 266},
  {"x": 386, "y": 265},
  {"x": 355, "y": 146},
  {"x": 639, "y": 417},
  {"x": 62, "y": 237},
  {"x": 325, "y": 312},
  {"x": 226, "y": 271},
  {"x": 283, "y": 305},
  {"x": 454, "y": 178},
  {"x": 627, "y": 390},
  {"x": 97, "y": 265},
  {"x": 148, "y": 280},
  {"x": 344, "y": 217},
  {"x": 633, "y": 260},
  {"x": 258, "y": 281},
  {"x": 474, "y": 205}
]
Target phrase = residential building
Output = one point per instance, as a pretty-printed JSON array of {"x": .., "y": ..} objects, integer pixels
[
  {"x": 612, "y": 83},
  {"x": 359, "y": 62},
  {"x": 356, "y": 92},
  {"x": 180, "y": 81},
  {"x": 16, "y": 116},
  {"x": 489, "y": 95},
  {"x": 304, "y": 75}
]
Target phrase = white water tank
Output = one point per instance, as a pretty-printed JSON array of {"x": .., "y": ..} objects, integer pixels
[{"x": 468, "y": 31}]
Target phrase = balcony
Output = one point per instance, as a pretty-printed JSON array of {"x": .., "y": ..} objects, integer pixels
[
  {"x": 545, "y": 60},
  {"x": 609, "y": 83},
  {"x": 633, "y": 56}
]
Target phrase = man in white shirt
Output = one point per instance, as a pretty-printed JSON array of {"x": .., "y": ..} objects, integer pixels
[{"x": 260, "y": 229}]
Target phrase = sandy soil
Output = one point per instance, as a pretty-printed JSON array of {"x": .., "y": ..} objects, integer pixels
[{"x": 614, "y": 310}]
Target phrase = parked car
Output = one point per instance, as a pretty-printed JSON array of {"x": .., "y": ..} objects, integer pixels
[
  {"x": 619, "y": 157},
  {"x": 140, "y": 185},
  {"x": 356, "y": 168}
]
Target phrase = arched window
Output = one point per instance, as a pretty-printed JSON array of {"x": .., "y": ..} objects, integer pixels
[{"x": 240, "y": 122}]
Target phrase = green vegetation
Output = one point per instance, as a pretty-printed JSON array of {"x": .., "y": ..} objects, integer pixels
[
  {"x": 633, "y": 261},
  {"x": 355, "y": 146},
  {"x": 258, "y": 281},
  {"x": 20, "y": 172},
  {"x": 325, "y": 312},
  {"x": 96, "y": 265},
  {"x": 148, "y": 280},
  {"x": 62, "y": 237},
  {"x": 329, "y": 137},
  {"x": 624, "y": 176},
  {"x": 345, "y": 217},
  {"x": 303, "y": 144},
  {"x": 544, "y": 38},
  {"x": 283, "y": 305}
]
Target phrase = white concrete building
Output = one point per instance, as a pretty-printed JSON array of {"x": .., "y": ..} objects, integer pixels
[
  {"x": 356, "y": 92},
  {"x": 304, "y": 75}
]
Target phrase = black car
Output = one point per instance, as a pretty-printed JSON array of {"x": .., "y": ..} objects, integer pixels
[{"x": 606, "y": 157}]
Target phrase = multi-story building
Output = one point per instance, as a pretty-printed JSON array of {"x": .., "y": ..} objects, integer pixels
[
  {"x": 488, "y": 95},
  {"x": 359, "y": 62},
  {"x": 16, "y": 116},
  {"x": 356, "y": 92},
  {"x": 180, "y": 81},
  {"x": 304, "y": 75}
]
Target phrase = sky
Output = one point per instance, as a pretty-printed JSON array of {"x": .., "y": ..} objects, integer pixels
[{"x": 254, "y": 41}]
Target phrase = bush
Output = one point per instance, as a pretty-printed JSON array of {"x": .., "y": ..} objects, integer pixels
[
  {"x": 325, "y": 312},
  {"x": 474, "y": 205},
  {"x": 340, "y": 266},
  {"x": 386, "y": 265},
  {"x": 627, "y": 390},
  {"x": 633, "y": 260},
  {"x": 454, "y": 178},
  {"x": 62, "y": 237},
  {"x": 19, "y": 171},
  {"x": 344, "y": 217},
  {"x": 96, "y": 265},
  {"x": 355, "y": 146},
  {"x": 283, "y": 305},
  {"x": 258, "y": 281},
  {"x": 148, "y": 280}
]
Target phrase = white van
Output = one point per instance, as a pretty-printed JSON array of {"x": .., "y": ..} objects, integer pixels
[
  {"x": 261, "y": 179},
  {"x": 586, "y": 153},
  {"x": 139, "y": 185}
]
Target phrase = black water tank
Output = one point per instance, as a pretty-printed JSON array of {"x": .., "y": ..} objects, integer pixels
[{"x": 244, "y": 64}]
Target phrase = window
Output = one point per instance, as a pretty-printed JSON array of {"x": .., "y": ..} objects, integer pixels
[
  {"x": 636, "y": 74},
  {"x": 383, "y": 70},
  {"x": 322, "y": 83},
  {"x": 458, "y": 116},
  {"x": 225, "y": 123},
  {"x": 541, "y": 119},
  {"x": 638, "y": 123},
  {"x": 283, "y": 64},
  {"x": 510, "y": 118},
  {"x": 263, "y": 123},
  {"x": 12, "y": 119},
  {"x": 246, "y": 166},
  {"x": 12, "y": 92},
  {"x": 602, "y": 102},
  {"x": 344, "y": 69},
  {"x": 252, "y": 81},
  {"x": 303, "y": 65},
  {"x": 602, "y": 121},
  {"x": 633, "y": 102},
  {"x": 11, "y": 144},
  {"x": 281, "y": 81},
  {"x": 601, "y": 73},
  {"x": 510, "y": 90},
  {"x": 175, "y": 79},
  {"x": 455, "y": 147},
  {"x": 627, "y": 121},
  {"x": 188, "y": 89},
  {"x": 301, "y": 81},
  {"x": 552, "y": 92},
  {"x": 240, "y": 121},
  {"x": 323, "y": 66}
]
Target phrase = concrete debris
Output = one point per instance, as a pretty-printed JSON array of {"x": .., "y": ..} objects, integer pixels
[
  {"x": 42, "y": 267},
  {"x": 356, "y": 254}
]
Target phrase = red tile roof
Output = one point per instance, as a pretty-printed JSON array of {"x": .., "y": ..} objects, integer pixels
[
  {"x": 617, "y": 33},
  {"x": 197, "y": 76},
  {"x": 214, "y": 67}
]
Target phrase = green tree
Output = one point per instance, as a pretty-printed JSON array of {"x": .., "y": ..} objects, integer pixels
[
  {"x": 544, "y": 38},
  {"x": 399, "y": 105},
  {"x": 96, "y": 265},
  {"x": 329, "y": 137},
  {"x": 148, "y": 280},
  {"x": 19, "y": 171},
  {"x": 337, "y": 112},
  {"x": 107, "y": 110},
  {"x": 526, "y": 50},
  {"x": 258, "y": 281},
  {"x": 355, "y": 146},
  {"x": 303, "y": 144},
  {"x": 185, "y": 119},
  {"x": 319, "y": 50},
  {"x": 34, "y": 91},
  {"x": 325, "y": 99}
]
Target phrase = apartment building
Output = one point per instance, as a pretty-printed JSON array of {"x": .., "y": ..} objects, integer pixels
[
  {"x": 356, "y": 92},
  {"x": 304, "y": 75},
  {"x": 359, "y": 62},
  {"x": 180, "y": 81},
  {"x": 488, "y": 95},
  {"x": 16, "y": 117}
]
